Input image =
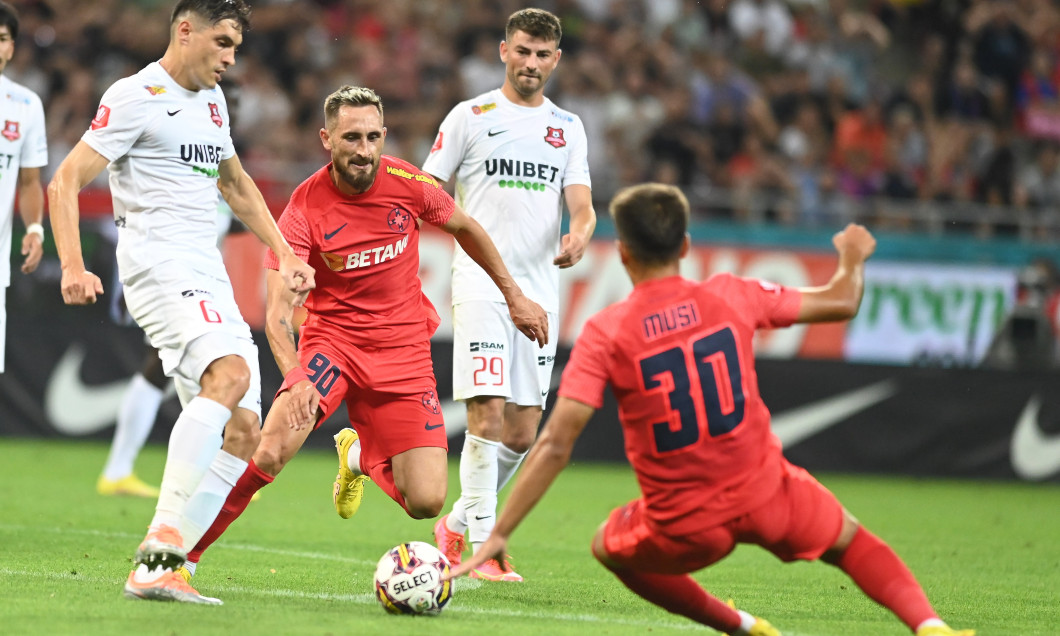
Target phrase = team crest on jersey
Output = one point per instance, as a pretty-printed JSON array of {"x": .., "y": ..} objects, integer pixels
[
  {"x": 215, "y": 115},
  {"x": 10, "y": 131},
  {"x": 485, "y": 108},
  {"x": 554, "y": 137},
  {"x": 155, "y": 90},
  {"x": 430, "y": 402},
  {"x": 101, "y": 119},
  {"x": 398, "y": 220},
  {"x": 437, "y": 143}
]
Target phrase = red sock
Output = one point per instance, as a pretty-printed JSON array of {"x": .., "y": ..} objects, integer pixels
[
  {"x": 680, "y": 594},
  {"x": 885, "y": 579},
  {"x": 251, "y": 481}
]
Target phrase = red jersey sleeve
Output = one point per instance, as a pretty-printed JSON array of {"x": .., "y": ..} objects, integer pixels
[
  {"x": 585, "y": 374},
  {"x": 437, "y": 204},
  {"x": 772, "y": 305},
  {"x": 295, "y": 229}
]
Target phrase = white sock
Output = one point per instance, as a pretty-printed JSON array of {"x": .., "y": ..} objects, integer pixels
[
  {"x": 931, "y": 622},
  {"x": 139, "y": 408},
  {"x": 507, "y": 463},
  {"x": 457, "y": 519},
  {"x": 478, "y": 487},
  {"x": 190, "y": 567},
  {"x": 353, "y": 458},
  {"x": 193, "y": 444},
  {"x": 746, "y": 622},
  {"x": 206, "y": 501}
]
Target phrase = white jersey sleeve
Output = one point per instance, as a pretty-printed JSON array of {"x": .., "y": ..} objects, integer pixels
[
  {"x": 447, "y": 153},
  {"x": 577, "y": 172},
  {"x": 120, "y": 120},
  {"x": 35, "y": 149}
]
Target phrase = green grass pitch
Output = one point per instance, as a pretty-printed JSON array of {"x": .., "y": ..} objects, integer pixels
[{"x": 987, "y": 553}]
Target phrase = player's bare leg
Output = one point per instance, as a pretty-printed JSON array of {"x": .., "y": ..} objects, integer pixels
[
  {"x": 421, "y": 475},
  {"x": 279, "y": 443}
]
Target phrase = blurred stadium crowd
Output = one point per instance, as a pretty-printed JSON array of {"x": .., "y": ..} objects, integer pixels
[{"x": 931, "y": 115}]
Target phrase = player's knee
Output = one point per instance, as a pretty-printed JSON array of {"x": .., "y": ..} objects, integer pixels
[
  {"x": 227, "y": 380},
  {"x": 425, "y": 504},
  {"x": 519, "y": 441}
]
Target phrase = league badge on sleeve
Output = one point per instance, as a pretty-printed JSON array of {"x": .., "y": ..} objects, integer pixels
[
  {"x": 102, "y": 118},
  {"x": 554, "y": 137},
  {"x": 10, "y": 131}
]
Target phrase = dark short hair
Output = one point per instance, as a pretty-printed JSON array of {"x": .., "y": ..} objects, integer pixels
[
  {"x": 537, "y": 23},
  {"x": 9, "y": 18},
  {"x": 651, "y": 220},
  {"x": 350, "y": 96},
  {"x": 214, "y": 11}
]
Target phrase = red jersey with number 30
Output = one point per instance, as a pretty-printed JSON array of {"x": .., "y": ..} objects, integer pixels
[
  {"x": 365, "y": 250},
  {"x": 678, "y": 355}
]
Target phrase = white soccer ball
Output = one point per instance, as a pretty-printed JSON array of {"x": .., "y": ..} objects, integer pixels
[{"x": 408, "y": 579}]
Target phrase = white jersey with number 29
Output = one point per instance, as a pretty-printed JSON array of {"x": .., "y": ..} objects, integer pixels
[
  {"x": 511, "y": 164},
  {"x": 165, "y": 144}
]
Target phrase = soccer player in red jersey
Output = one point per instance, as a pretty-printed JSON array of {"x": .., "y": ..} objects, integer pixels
[
  {"x": 367, "y": 336},
  {"x": 678, "y": 356}
]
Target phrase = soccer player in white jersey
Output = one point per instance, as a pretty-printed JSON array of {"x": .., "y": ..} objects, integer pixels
[
  {"x": 516, "y": 157},
  {"x": 164, "y": 135},
  {"x": 23, "y": 151}
]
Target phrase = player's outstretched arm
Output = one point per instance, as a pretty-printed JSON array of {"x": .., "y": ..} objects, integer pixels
[
  {"x": 528, "y": 316},
  {"x": 547, "y": 459},
  {"x": 301, "y": 405},
  {"x": 841, "y": 297},
  {"x": 243, "y": 196},
  {"x": 579, "y": 200},
  {"x": 79, "y": 287},
  {"x": 31, "y": 209}
]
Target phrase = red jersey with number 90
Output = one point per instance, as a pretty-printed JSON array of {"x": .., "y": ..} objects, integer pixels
[
  {"x": 678, "y": 355},
  {"x": 365, "y": 250}
]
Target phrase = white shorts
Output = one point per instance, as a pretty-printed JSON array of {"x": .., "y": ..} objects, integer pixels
[
  {"x": 491, "y": 356},
  {"x": 192, "y": 319}
]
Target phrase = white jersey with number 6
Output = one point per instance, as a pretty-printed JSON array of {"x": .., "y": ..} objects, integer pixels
[
  {"x": 511, "y": 164},
  {"x": 164, "y": 144}
]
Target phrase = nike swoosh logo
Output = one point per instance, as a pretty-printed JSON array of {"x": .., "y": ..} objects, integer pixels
[
  {"x": 802, "y": 422},
  {"x": 1034, "y": 454},
  {"x": 328, "y": 236},
  {"x": 173, "y": 112},
  {"x": 76, "y": 408},
  {"x": 430, "y": 427},
  {"x": 481, "y": 518},
  {"x": 494, "y": 134}
]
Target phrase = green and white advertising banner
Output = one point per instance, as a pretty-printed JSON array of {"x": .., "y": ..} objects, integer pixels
[{"x": 923, "y": 313}]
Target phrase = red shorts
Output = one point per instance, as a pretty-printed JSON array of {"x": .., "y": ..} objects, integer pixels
[
  {"x": 800, "y": 522},
  {"x": 390, "y": 394}
]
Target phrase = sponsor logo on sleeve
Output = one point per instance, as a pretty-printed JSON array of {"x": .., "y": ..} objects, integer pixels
[
  {"x": 155, "y": 90},
  {"x": 485, "y": 108},
  {"x": 437, "y": 143}
]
